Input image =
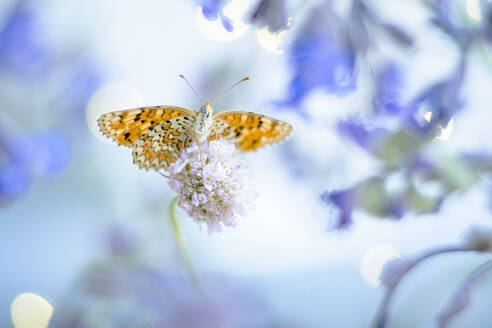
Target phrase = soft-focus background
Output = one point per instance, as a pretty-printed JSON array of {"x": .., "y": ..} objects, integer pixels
[{"x": 84, "y": 228}]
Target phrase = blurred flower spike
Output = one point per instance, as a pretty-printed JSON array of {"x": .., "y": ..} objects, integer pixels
[
  {"x": 137, "y": 294},
  {"x": 388, "y": 99},
  {"x": 322, "y": 57},
  {"x": 22, "y": 47},
  {"x": 213, "y": 10},
  {"x": 25, "y": 156},
  {"x": 212, "y": 184},
  {"x": 344, "y": 201}
]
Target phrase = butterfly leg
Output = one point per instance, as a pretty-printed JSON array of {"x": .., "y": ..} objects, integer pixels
[
  {"x": 216, "y": 130},
  {"x": 165, "y": 176},
  {"x": 185, "y": 141},
  {"x": 198, "y": 144}
]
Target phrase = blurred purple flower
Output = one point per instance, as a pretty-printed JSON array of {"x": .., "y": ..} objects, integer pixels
[
  {"x": 136, "y": 295},
  {"x": 121, "y": 241},
  {"x": 50, "y": 152},
  {"x": 389, "y": 84},
  {"x": 270, "y": 13},
  {"x": 398, "y": 34},
  {"x": 358, "y": 132},
  {"x": 441, "y": 99},
  {"x": 446, "y": 17},
  {"x": 213, "y": 9},
  {"x": 22, "y": 48},
  {"x": 25, "y": 156},
  {"x": 344, "y": 200},
  {"x": 84, "y": 79},
  {"x": 321, "y": 57}
]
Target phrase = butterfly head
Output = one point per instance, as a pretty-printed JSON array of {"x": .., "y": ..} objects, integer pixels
[{"x": 207, "y": 109}]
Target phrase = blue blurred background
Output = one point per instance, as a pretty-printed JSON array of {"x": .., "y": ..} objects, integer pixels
[{"x": 391, "y": 155}]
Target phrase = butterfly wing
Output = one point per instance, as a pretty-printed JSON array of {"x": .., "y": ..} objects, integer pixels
[
  {"x": 249, "y": 131},
  {"x": 125, "y": 127},
  {"x": 159, "y": 146}
]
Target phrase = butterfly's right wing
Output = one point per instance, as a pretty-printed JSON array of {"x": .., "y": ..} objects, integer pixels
[
  {"x": 126, "y": 126},
  {"x": 249, "y": 131}
]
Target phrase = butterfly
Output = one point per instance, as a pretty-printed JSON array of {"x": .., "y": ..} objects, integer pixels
[{"x": 157, "y": 134}]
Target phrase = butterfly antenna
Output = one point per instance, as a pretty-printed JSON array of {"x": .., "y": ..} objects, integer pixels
[
  {"x": 232, "y": 86},
  {"x": 184, "y": 78}
]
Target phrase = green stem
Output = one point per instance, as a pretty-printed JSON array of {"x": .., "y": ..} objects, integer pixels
[{"x": 181, "y": 247}]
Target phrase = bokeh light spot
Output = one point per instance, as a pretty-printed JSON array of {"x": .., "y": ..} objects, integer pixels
[
  {"x": 270, "y": 41},
  {"x": 445, "y": 130},
  {"x": 473, "y": 9},
  {"x": 29, "y": 310}
]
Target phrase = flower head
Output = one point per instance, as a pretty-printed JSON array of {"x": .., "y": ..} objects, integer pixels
[
  {"x": 479, "y": 239},
  {"x": 344, "y": 200},
  {"x": 212, "y": 185},
  {"x": 394, "y": 270}
]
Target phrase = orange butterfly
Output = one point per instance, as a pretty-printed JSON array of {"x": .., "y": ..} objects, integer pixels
[{"x": 158, "y": 133}]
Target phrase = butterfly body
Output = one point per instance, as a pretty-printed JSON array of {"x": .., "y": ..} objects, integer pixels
[
  {"x": 157, "y": 134},
  {"x": 204, "y": 121}
]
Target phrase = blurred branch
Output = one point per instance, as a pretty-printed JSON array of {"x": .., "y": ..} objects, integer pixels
[
  {"x": 400, "y": 269},
  {"x": 461, "y": 297},
  {"x": 478, "y": 239}
]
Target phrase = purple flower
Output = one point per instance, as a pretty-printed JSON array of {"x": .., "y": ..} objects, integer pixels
[
  {"x": 321, "y": 57},
  {"x": 214, "y": 9},
  {"x": 212, "y": 184},
  {"x": 22, "y": 47},
  {"x": 270, "y": 13},
  {"x": 344, "y": 200},
  {"x": 84, "y": 79},
  {"x": 479, "y": 238},
  {"x": 120, "y": 241},
  {"x": 139, "y": 295},
  {"x": 364, "y": 136},
  {"x": 26, "y": 156},
  {"x": 389, "y": 84},
  {"x": 441, "y": 99},
  {"x": 51, "y": 152},
  {"x": 447, "y": 18}
]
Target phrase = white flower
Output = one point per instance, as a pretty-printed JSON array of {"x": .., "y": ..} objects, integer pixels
[
  {"x": 479, "y": 238},
  {"x": 212, "y": 186}
]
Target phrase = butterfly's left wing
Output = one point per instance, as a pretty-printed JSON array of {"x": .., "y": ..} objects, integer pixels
[
  {"x": 249, "y": 131},
  {"x": 126, "y": 126}
]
